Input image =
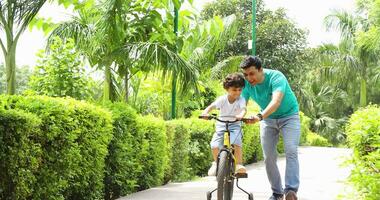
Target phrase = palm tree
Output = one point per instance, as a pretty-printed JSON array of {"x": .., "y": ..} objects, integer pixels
[
  {"x": 15, "y": 16},
  {"x": 350, "y": 61},
  {"x": 116, "y": 39}
]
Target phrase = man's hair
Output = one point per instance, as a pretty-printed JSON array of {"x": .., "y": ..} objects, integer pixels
[
  {"x": 251, "y": 61},
  {"x": 234, "y": 80}
]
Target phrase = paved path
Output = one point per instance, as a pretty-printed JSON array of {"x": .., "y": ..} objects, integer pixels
[{"x": 322, "y": 178}]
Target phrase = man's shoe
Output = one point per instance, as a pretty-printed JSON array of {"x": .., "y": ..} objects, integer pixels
[
  {"x": 276, "y": 197},
  {"x": 291, "y": 195},
  {"x": 212, "y": 170}
]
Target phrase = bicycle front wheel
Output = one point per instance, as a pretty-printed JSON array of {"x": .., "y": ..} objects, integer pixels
[{"x": 224, "y": 177}]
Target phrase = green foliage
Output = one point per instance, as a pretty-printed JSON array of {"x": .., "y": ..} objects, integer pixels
[
  {"x": 153, "y": 151},
  {"x": 73, "y": 138},
  {"x": 252, "y": 151},
  {"x": 122, "y": 163},
  {"x": 199, "y": 152},
  {"x": 60, "y": 73},
  {"x": 20, "y": 153},
  {"x": 363, "y": 132},
  {"x": 314, "y": 139},
  {"x": 178, "y": 135},
  {"x": 305, "y": 124},
  {"x": 23, "y": 76}
]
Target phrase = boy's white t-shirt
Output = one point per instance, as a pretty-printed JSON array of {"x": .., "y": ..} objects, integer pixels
[{"x": 229, "y": 109}]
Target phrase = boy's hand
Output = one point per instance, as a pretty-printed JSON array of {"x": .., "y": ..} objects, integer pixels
[
  {"x": 204, "y": 116},
  {"x": 238, "y": 117}
]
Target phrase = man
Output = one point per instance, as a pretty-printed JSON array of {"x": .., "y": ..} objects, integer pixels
[{"x": 279, "y": 112}]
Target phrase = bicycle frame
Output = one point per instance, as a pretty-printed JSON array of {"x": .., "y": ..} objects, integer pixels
[{"x": 226, "y": 181}]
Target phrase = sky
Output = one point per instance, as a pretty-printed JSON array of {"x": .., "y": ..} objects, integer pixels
[{"x": 307, "y": 14}]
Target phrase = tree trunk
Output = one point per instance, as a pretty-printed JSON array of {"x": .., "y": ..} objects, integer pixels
[
  {"x": 107, "y": 84},
  {"x": 10, "y": 66},
  {"x": 126, "y": 86},
  {"x": 363, "y": 92}
]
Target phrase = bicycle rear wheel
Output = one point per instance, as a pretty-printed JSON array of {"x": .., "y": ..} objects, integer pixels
[{"x": 224, "y": 178}]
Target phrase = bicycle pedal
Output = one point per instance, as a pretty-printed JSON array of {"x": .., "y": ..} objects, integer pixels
[{"x": 241, "y": 175}]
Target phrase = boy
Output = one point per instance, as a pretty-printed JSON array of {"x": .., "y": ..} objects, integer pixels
[{"x": 231, "y": 106}]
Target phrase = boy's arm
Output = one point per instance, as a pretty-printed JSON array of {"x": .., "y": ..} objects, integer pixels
[
  {"x": 241, "y": 114},
  {"x": 208, "y": 109}
]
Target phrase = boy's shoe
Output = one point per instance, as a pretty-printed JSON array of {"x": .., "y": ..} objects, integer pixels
[
  {"x": 291, "y": 195},
  {"x": 276, "y": 197},
  {"x": 212, "y": 170},
  {"x": 240, "y": 169}
]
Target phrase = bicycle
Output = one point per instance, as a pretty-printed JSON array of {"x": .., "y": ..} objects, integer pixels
[{"x": 226, "y": 164}]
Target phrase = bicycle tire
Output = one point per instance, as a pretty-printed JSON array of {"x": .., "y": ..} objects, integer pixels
[{"x": 224, "y": 179}]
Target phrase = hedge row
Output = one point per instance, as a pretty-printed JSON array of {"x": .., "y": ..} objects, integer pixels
[
  {"x": 363, "y": 136},
  {"x": 53, "y": 148}
]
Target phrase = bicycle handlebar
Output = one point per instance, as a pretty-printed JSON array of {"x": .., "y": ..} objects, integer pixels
[{"x": 223, "y": 121}]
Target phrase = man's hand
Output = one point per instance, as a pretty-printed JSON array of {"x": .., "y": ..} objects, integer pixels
[{"x": 252, "y": 120}]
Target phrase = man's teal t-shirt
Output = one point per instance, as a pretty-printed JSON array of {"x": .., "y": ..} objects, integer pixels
[{"x": 262, "y": 93}]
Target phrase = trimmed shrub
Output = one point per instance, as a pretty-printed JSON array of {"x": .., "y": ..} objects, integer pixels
[
  {"x": 20, "y": 153},
  {"x": 305, "y": 125},
  {"x": 252, "y": 151},
  {"x": 178, "y": 136},
  {"x": 363, "y": 136},
  {"x": 74, "y": 140},
  {"x": 122, "y": 164},
  {"x": 314, "y": 139},
  {"x": 153, "y": 151},
  {"x": 201, "y": 132}
]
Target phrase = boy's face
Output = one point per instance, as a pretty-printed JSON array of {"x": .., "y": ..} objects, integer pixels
[
  {"x": 234, "y": 92},
  {"x": 253, "y": 75}
]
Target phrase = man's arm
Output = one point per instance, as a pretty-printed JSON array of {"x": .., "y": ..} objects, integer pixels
[
  {"x": 274, "y": 104},
  {"x": 272, "y": 107}
]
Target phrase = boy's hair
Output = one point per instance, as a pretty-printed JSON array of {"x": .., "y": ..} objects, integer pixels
[
  {"x": 234, "y": 80},
  {"x": 251, "y": 61}
]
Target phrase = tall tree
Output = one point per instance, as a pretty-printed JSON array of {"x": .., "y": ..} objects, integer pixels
[
  {"x": 352, "y": 61},
  {"x": 122, "y": 37},
  {"x": 15, "y": 15}
]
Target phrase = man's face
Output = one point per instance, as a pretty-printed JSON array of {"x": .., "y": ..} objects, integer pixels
[{"x": 253, "y": 75}]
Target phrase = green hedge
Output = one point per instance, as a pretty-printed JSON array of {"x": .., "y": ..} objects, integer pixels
[
  {"x": 153, "y": 151},
  {"x": 20, "y": 153},
  {"x": 313, "y": 139},
  {"x": 122, "y": 164},
  {"x": 363, "y": 136},
  {"x": 73, "y": 139},
  {"x": 190, "y": 152},
  {"x": 178, "y": 136}
]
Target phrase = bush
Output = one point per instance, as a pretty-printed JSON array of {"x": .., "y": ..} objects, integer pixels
[
  {"x": 60, "y": 72},
  {"x": 305, "y": 125},
  {"x": 74, "y": 139},
  {"x": 178, "y": 135},
  {"x": 363, "y": 136},
  {"x": 314, "y": 139},
  {"x": 20, "y": 153},
  {"x": 201, "y": 132},
  {"x": 252, "y": 151},
  {"x": 153, "y": 151},
  {"x": 122, "y": 164}
]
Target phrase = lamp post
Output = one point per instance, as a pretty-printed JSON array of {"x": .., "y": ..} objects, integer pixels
[
  {"x": 174, "y": 81},
  {"x": 253, "y": 27}
]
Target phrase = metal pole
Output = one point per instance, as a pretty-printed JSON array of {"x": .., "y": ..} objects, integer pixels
[
  {"x": 174, "y": 82},
  {"x": 253, "y": 27}
]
